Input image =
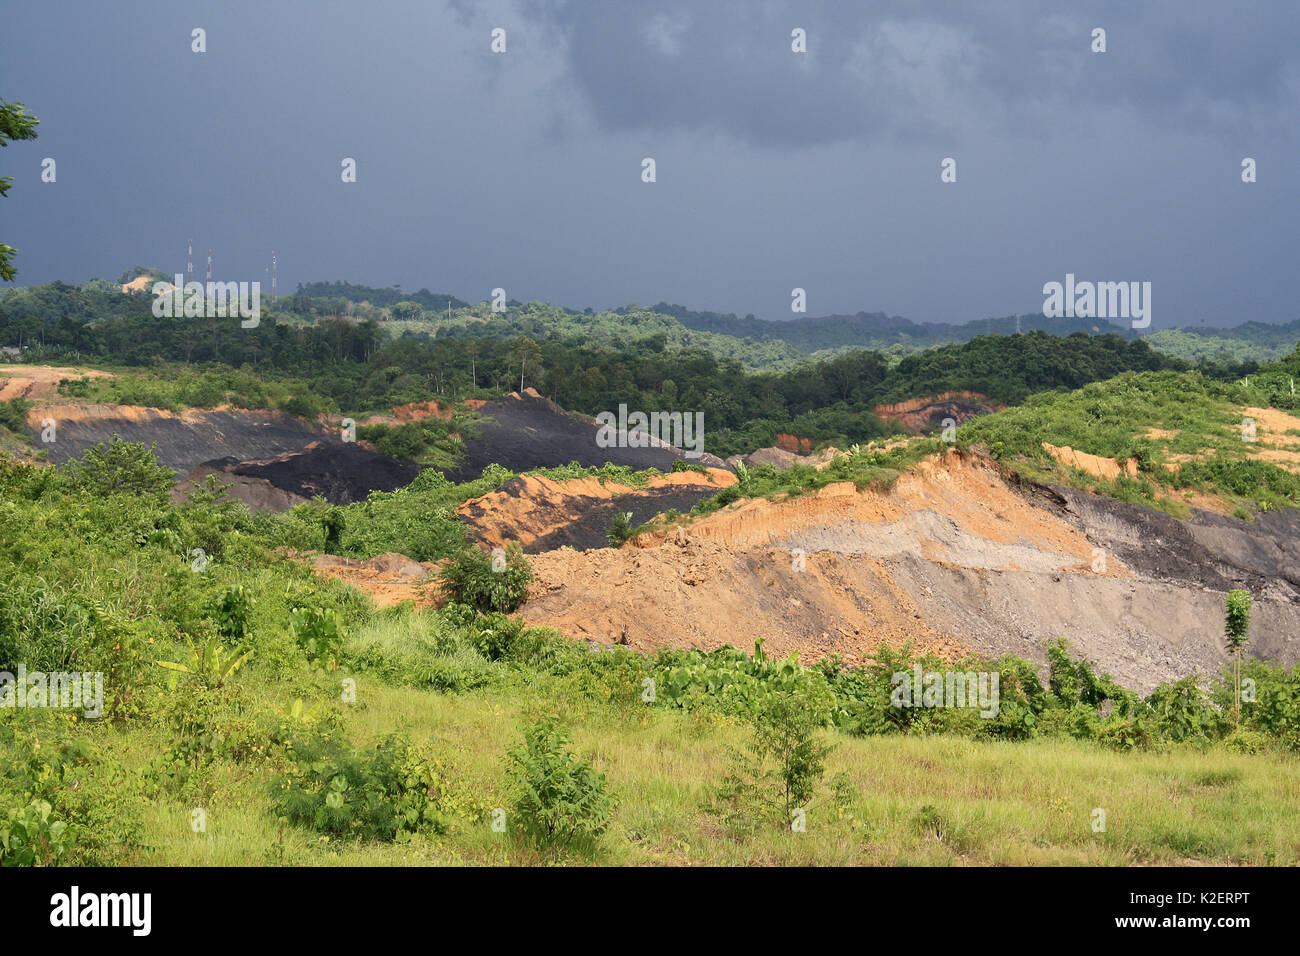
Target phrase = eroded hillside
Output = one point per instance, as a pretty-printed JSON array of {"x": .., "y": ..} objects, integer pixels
[{"x": 954, "y": 558}]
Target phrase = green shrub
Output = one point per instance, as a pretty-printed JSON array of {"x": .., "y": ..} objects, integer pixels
[
  {"x": 387, "y": 792},
  {"x": 772, "y": 781},
  {"x": 1074, "y": 681},
  {"x": 1183, "y": 711},
  {"x": 1272, "y": 703},
  {"x": 29, "y": 837},
  {"x": 620, "y": 529},
  {"x": 1080, "y": 721},
  {"x": 232, "y": 611},
  {"x": 49, "y": 757},
  {"x": 1128, "y": 732},
  {"x": 203, "y": 729},
  {"x": 485, "y": 582},
  {"x": 419, "y": 650},
  {"x": 498, "y": 636},
  {"x": 318, "y": 632},
  {"x": 559, "y": 799},
  {"x": 305, "y": 405},
  {"x": 1243, "y": 741},
  {"x": 13, "y": 415},
  {"x": 119, "y": 467}
]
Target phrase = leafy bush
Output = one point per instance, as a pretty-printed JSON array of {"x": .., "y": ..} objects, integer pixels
[
  {"x": 1132, "y": 732},
  {"x": 318, "y": 633},
  {"x": 559, "y": 798},
  {"x": 1074, "y": 682},
  {"x": 1273, "y": 705},
  {"x": 387, "y": 792},
  {"x": 119, "y": 467},
  {"x": 29, "y": 837},
  {"x": 782, "y": 767},
  {"x": 1245, "y": 742},
  {"x": 620, "y": 529},
  {"x": 434, "y": 441},
  {"x": 485, "y": 582},
  {"x": 1183, "y": 711},
  {"x": 305, "y": 405},
  {"x": 232, "y": 611},
  {"x": 497, "y": 636},
  {"x": 49, "y": 759},
  {"x": 203, "y": 729},
  {"x": 13, "y": 415}
]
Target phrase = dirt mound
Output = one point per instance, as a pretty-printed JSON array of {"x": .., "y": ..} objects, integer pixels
[
  {"x": 144, "y": 283},
  {"x": 526, "y": 431},
  {"x": 1277, "y": 437},
  {"x": 543, "y": 514},
  {"x": 1105, "y": 468},
  {"x": 923, "y": 414},
  {"x": 412, "y": 412},
  {"x": 812, "y": 573},
  {"x": 184, "y": 439},
  {"x": 39, "y": 383},
  {"x": 258, "y": 493},
  {"x": 783, "y": 460},
  {"x": 340, "y": 472},
  {"x": 387, "y": 578},
  {"x": 800, "y": 446},
  {"x": 417, "y": 410},
  {"x": 957, "y": 511},
  {"x": 702, "y": 595}
]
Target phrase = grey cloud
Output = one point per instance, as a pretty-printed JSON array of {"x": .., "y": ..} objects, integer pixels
[{"x": 920, "y": 72}]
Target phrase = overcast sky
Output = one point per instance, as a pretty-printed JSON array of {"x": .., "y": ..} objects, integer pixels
[{"x": 775, "y": 169}]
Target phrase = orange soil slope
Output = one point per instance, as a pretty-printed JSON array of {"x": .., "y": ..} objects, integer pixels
[
  {"x": 39, "y": 383},
  {"x": 942, "y": 511},
  {"x": 917, "y": 414},
  {"x": 736, "y": 575},
  {"x": 536, "y": 507},
  {"x": 389, "y": 578},
  {"x": 1106, "y": 468}
]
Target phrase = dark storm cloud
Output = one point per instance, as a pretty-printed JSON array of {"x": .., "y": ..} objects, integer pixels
[{"x": 909, "y": 70}]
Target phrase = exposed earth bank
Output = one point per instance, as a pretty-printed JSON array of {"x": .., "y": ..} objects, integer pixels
[
  {"x": 953, "y": 557},
  {"x": 543, "y": 514}
]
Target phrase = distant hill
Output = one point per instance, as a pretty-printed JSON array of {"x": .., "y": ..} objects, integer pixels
[
  {"x": 35, "y": 312},
  {"x": 430, "y": 301},
  {"x": 872, "y": 330},
  {"x": 1250, "y": 341}
]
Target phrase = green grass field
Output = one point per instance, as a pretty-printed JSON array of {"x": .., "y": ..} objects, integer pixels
[{"x": 913, "y": 800}]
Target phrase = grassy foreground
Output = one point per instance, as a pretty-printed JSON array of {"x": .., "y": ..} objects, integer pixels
[{"x": 915, "y": 800}]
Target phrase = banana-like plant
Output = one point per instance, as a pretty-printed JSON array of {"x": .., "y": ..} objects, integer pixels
[
  {"x": 742, "y": 475},
  {"x": 298, "y": 713},
  {"x": 209, "y": 662}
]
